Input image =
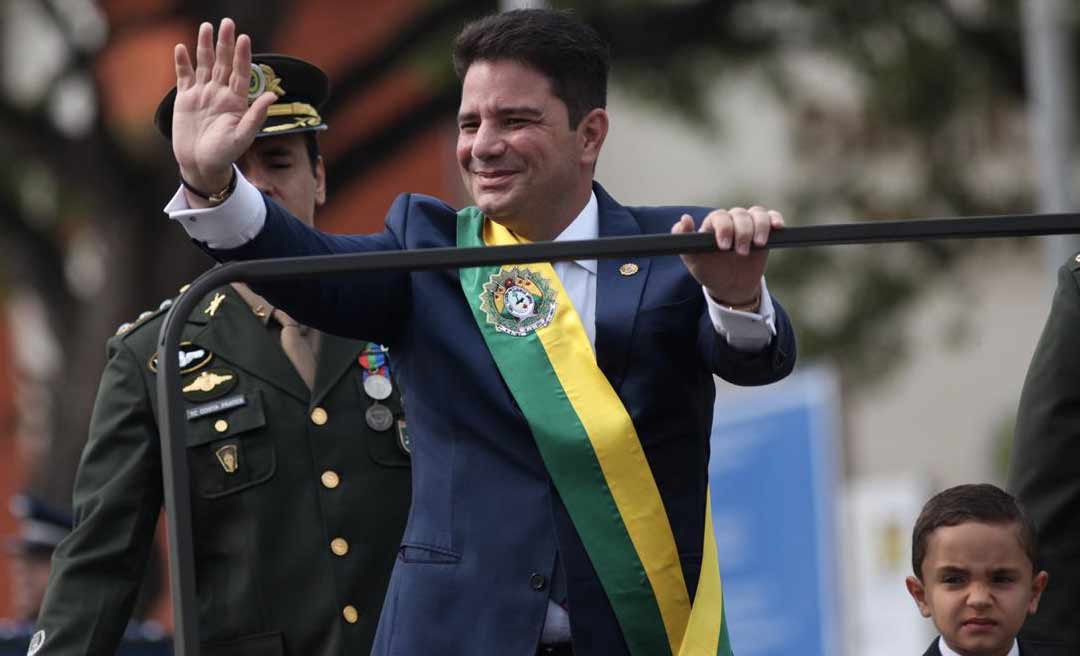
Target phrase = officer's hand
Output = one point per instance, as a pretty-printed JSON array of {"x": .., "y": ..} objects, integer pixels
[
  {"x": 732, "y": 277},
  {"x": 212, "y": 122}
]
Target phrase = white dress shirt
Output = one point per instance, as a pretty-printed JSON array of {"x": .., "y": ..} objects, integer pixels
[
  {"x": 946, "y": 651},
  {"x": 240, "y": 218}
]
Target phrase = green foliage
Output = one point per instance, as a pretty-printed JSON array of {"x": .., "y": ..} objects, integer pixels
[{"x": 930, "y": 123}]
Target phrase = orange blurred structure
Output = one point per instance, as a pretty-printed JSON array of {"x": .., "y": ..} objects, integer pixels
[{"x": 135, "y": 70}]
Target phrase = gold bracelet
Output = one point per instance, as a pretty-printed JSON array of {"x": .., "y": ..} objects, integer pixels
[
  {"x": 752, "y": 306},
  {"x": 215, "y": 198}
]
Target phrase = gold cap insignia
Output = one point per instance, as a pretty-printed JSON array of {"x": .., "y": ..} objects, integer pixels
[
  {"x": 263, "y": 79},
  {"x": 629, "y": 269},
  {"x": 229, "y": 458},
  {"x": 207, "y": 381}
]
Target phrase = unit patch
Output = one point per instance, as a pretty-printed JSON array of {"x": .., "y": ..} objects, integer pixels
[
  {"x": 214, "y": 407},
  {"x": 229, "y": 457},
  {"x": 517, "y": 301},
  {"x": 191, "y": 358},
  {"x": 210, "y": 384}
]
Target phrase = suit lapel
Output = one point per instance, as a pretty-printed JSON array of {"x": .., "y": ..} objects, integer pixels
[
  {"x": 617, "y": 296},
  {"x": 933, "y": 650},
  {"x": 336, "y": 356},
  {"x": 235, "y": 331}
]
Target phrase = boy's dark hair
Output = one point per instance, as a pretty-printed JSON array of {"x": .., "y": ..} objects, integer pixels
[
  {"x": 984, "y": 503},
  {"x": 569, "y": 53}
]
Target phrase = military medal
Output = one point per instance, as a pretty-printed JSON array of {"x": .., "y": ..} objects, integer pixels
[
  {"x": 379, "y": 417},
  {"x": 376, "y": 372},
  {"x": 378, "y": 386}
]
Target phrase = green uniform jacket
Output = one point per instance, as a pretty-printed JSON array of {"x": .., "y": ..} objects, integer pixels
[
  {"x": 1044, "y": 473},
  {"x": 293, "y": 546}
]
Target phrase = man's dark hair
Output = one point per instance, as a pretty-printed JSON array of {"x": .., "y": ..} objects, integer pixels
[
  {"x": 569, "y": 53},
  {"x": 311, "y": 144},
  {"x": 983, "y": 503}
]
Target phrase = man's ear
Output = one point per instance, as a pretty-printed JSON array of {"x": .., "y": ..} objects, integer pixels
[
  {"x": 591, "y": 133},
  {"x": 918, "y": 593},
  {"x": 1038, "y": 584},
  {"x": 320, "y": 182}
]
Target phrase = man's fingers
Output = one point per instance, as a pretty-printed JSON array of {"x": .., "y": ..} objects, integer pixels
[
  {"x": 683, "y": 225},
  {"x": 185, "y": 77},
  {"x": 744, "y": 229},
  {"x": 204, "y": 53},
  {"x": 762, "y": 225},
  {"x": 721, "y": 224},
  {"x": 223, "y": 56},
  {"x": 240, "y": 80},
  {"x": 255, "y": 115},
  {"x": 777, "y": 219}
]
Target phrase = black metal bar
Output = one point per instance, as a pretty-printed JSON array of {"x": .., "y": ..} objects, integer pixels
[{"x": 173, "y": 445}]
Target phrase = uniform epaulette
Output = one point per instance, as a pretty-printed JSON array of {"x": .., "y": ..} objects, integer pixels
[{"x": 143, "y": 318}]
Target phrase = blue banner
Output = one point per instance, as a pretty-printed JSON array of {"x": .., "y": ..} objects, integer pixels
[{"x": 773, "y": 472}]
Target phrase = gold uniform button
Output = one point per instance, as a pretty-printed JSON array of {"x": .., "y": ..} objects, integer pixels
[
  {"x": 339, "y": 546},
  {"x": 352, "y": 616},
  {"x": 319, "y": 417},
  {"x": 629, "y": 269},
  {"x": 221, "y": 425},
  {"x": 330, "y": 479}
]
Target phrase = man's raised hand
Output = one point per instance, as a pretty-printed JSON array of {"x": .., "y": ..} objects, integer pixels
[{"x": 213, "y": 125}]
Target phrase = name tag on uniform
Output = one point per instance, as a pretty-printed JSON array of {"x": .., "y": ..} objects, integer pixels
[{"x": 228, "y": 403}]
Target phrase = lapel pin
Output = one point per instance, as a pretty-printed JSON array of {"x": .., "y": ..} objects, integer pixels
[{"x": 629, "y": 269}]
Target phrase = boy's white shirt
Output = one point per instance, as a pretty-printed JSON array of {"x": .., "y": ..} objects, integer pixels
[{"x": 946, "y": 651}]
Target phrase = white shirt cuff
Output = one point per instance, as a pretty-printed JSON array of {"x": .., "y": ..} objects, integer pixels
[
  {"x": 228, "y": 225},
  {"x": 744, "y": 331}
]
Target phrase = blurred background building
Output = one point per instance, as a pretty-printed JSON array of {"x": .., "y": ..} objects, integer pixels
[{"x": 830, "y": 111}]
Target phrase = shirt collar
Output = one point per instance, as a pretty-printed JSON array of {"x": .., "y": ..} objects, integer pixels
[
  {"x": 946, "y": 651},
  {"x": 585, "y": 226}
]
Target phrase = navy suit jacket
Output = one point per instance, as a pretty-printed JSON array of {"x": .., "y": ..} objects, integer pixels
[{"x": 488, "y": 539}]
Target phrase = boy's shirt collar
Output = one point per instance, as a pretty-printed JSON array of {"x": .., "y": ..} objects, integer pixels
[{"x": 945, "y": 651}]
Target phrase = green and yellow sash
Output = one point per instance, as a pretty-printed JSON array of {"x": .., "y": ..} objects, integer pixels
[{"x": 592, "y": 451}]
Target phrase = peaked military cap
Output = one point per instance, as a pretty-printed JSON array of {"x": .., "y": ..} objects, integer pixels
[{"x": 301, "y": 87}]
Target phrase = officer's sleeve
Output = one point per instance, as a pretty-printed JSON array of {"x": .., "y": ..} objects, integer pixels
[
  {"x": 1044, "y": 471},
  {"x": 97, "y": 569}
]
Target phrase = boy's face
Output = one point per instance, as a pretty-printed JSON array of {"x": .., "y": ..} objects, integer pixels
[{"x": 978, "y": 586}]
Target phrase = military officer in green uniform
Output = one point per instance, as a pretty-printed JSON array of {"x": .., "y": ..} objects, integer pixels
[
  {"x": 296, "y": 444},
  {"x": 1044, "y": 470}
]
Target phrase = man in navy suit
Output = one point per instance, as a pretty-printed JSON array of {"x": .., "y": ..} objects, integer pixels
[{"x": 513, "y": 373}]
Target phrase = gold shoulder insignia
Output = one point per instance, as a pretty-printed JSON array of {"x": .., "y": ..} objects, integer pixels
[{"x": 214, "y": 304}]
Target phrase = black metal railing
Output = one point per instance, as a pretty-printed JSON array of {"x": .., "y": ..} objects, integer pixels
[{"x": 172, "y": 424}]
